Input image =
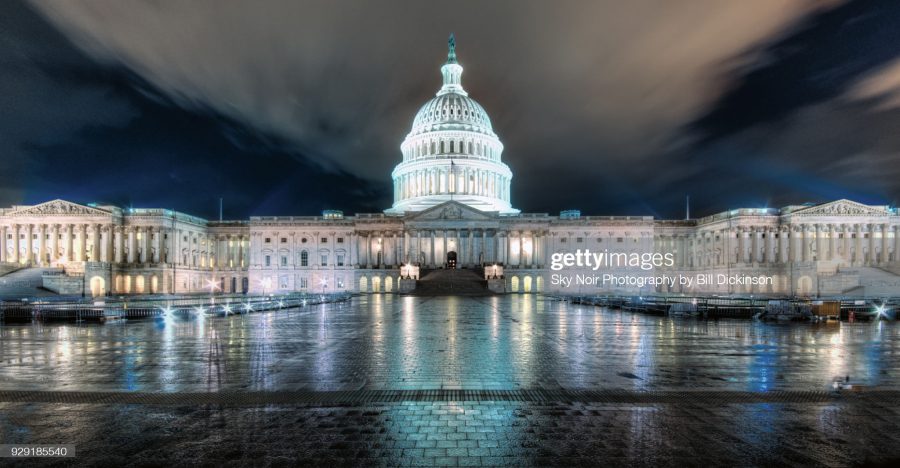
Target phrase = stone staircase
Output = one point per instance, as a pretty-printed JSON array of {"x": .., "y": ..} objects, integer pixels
[
  {"x": 25, "y": 282},
  {"x": 879, "y": 282},
  {"x": 451, "y": 282}
]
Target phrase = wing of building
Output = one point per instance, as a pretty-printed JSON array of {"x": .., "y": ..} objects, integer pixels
[{"x": 451, "y": 208}]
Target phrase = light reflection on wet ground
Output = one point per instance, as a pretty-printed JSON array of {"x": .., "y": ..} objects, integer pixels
[
  {"x": 388, "y": 342},
  {"x": 510, "y": 342}
]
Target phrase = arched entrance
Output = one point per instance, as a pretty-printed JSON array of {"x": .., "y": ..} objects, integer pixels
[
  {"x": 98, "y": 286},
  {"x": 451, "y": 259},
  {"x": 363, "y": 284}
]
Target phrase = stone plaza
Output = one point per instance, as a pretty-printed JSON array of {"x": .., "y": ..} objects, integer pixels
[{"x": 386, "y": 380}]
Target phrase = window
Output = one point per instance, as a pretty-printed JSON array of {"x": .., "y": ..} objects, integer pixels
[
  {"x": 324, "y": 260},
  {"x": 268, "y": 260},
  {"x": 303, "y": 240},
  {"x": 340, "y": 283},
  {"x": 340, "y": 260},
  {"x": 599, "y": 239},
  {"x": 268, "y": 240},
  {"x": 324, "y": 240},
  {"x": 619, "y": 240},
  {"x": 304, "y": 258},
  {"x": 304, "y": 283},
  {"x": 283, "y": 260},
  {"x": 340, "y": 240},
  {"x": 284, "y": 240},
  {"x": 562, "y": 240},
  {"x": 579, "y": 239}
]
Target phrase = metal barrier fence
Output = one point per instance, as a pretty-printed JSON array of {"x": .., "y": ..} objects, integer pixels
[
  {"x": 745, "y": 307},
  {"x": 54, "y": 309}
]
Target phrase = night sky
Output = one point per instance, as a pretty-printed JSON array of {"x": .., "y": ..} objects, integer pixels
[{"x": 287, "y": 108}]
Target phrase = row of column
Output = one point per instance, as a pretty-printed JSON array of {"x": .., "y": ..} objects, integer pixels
[
  {"x": 449, "y": 148},
  {"x": 440, "y": 181},
  {"x": 229, "y": 251},
  {"x": 858, "y": 244},
  {"x": 429, "y": 247},
  {"x": 46, "y": 244}
]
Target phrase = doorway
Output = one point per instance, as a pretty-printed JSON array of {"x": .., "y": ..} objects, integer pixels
[{"x": 451, "y": 259}]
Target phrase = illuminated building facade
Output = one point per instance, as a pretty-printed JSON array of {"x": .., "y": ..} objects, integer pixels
[{"x": 451, "y": 207}]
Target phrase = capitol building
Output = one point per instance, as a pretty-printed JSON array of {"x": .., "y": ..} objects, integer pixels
[{"x": 451, "y": 210}]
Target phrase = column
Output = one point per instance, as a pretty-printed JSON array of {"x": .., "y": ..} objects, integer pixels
[
  {"x": 817, "y": 232},
  {"x": 406, "y": 246},
  {"x": 82, "y": 242},
  {"x": 521, "y": 262},
  {"x": 29, "y": 239},
  {"x": 884, "y": 244},
  {"x": 754, "y": 245},
  {"x": 871, "y": 257},
  {"x": 432, "y": 238},
  {"x": 833, "y": 248},
  {"x": 473, "y": 247},
  {"x": 103, "y": 254},
  {"x": 159, "y": 246},
  {"x": 368, "y": 242},
  {"x": 445, "y": 246},
  {"x": 896, "y": 243},
  {"x": 95, "y": 242},
  {"x": 484, "y": 251},
  {"x": 118, "y": 244},
  {"x": 41, "y": 243},
  {"x": 3, "y": 243},
  {"x": 847, "y": 230},
  {"x": 131, "y": 247},
  {"x": 804, "y": 243},
  {"x": 14, "y": 257}
]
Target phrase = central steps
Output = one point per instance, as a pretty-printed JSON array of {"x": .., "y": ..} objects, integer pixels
[{"x": 452, "y": 282}]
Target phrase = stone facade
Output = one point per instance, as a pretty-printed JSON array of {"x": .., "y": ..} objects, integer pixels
[
  {"x": 451, "y": 207},
  {"x": 807, "y": 249}
]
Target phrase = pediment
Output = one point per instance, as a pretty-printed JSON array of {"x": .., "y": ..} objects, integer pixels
[
  {"x": 59, "y": 207},
  {"x": 451, "y": 210},
  {"x": 842, "y": 208}
]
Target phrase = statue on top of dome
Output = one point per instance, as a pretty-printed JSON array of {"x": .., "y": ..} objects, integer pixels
[{"x": 451, "y": 44}]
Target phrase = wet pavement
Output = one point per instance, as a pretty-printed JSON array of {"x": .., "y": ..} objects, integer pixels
[{"x": 453, "y": 381}]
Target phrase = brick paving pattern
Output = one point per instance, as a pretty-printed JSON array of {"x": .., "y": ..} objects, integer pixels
[{"x": 355, "y": 385}]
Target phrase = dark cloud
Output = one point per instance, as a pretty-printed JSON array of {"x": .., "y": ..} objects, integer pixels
[{"x": 288, "y": 107}]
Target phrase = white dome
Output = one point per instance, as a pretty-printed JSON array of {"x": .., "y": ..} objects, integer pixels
[
  {"x": 452, "y": 111},
  {"x": 451, "y": 153}
]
